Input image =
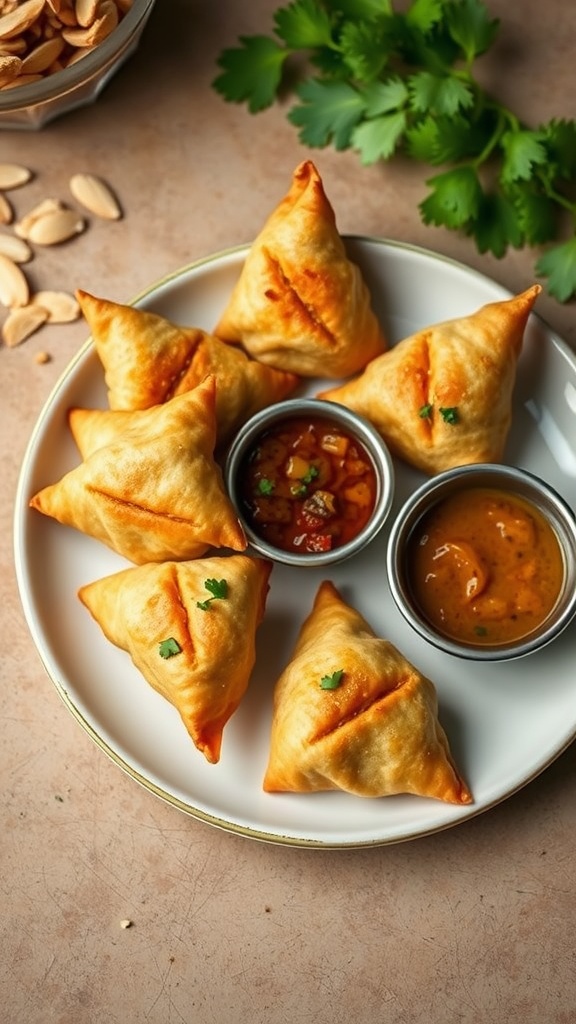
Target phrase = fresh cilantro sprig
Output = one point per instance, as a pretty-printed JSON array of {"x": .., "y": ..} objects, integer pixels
[
  {"x": 385, "y": 83},
  {"x": 217, "y": 588}
]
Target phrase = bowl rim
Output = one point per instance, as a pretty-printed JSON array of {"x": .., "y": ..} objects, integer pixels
[
  {"x": 526, "y": 485},
  {"x": 367, "y": 434}
]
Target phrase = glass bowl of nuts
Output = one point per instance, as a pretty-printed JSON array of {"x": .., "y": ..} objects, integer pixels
[{"x": 57, "y": 55}]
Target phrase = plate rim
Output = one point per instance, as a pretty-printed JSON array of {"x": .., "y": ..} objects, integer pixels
[{"x": 85, "y": 350}]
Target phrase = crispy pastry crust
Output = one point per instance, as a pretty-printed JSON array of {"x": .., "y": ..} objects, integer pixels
[
  {"x": 300, "y": 304},
  {"x": 467, "y": 364},
  {"x": 140, "y": 607},
  {"x": 376, "y": 734},
  {"x": 149, "y": 487},
  {"x": 147, "y": 360}
]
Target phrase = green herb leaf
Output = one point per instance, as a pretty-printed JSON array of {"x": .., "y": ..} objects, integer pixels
[
  {"x": 387, "y": 83},
  {"x": 439, "y": 94},
  {"x": 219, "y": 591},
  {"x": 523, "y": 151},
  {"x": 333, "y": 681},
  {"x": 303, "y": 25},
  {"x": 378, "y": 138},
  {"x": 265, "y": 486},
  {"x": 328, "y": 113},
  {"x": 559, "y": 266},
  {"x": 455, "y": 198},
  {"x": 252, "y": 72},
  {"x": 449, "y": 415},
  {"x": 168, "y": 648},
  {"x": 425, "y": 411},
  {"x": 471, "y": 27}
]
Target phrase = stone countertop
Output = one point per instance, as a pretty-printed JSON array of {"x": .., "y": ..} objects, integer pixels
[{"x": 471, "y": 925}]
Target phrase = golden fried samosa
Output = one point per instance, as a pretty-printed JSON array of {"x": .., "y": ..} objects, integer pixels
[
  {"x": 150, "y": 488},
  {"x": 443, "y": 396},
  {"x": 375, "y": 734},
  {"x": 198, "y": 655},
  {"x": 147, "y": 360},
  {"x": 300, "y": 304}
]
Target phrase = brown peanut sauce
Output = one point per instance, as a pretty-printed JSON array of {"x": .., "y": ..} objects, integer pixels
[
  {"x": 485, "y": 566},
  {"x": 307, "y": 485}
]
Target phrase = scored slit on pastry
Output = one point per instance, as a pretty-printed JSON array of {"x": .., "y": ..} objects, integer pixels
[
  {"x": 148, "y": 485},
  {"x": 352, "y": 713},
  {"x": 300, "y": 303},
  {"x": 211, "y": 643},
  {"x": 442, "y": 397}
]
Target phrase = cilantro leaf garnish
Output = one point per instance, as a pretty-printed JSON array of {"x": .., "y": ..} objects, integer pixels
[
  {"x": 218, "y": 589},
  {"x": 425, "y": 411},
  {"x": 265, "y": 486},
  {"x": 450, "y": 414},
  {"x": 332, "y": 682},
  {"x": 169, "y": 647},
  {"x": 388, "y": 83}
]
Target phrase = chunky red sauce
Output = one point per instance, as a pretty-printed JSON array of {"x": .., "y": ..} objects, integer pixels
[
  {"x": 485, "y": 567},
  {"x": 307, "y": 486}
]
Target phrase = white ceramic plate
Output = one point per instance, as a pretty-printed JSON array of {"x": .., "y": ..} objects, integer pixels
[{"x": 505, "y": 723}]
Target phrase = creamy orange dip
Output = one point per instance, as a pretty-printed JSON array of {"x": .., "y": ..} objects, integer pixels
[{"x": 485, "y": 566}]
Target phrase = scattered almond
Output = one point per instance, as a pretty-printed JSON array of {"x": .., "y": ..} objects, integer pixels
[
  {"x": 61, "y": 307},
  {"x": 6, "y": 211},
  {"x": 21, "y": 323},
  {"x": 14, "y": 289},
  {"x": 16, "y": 249},
  {"x": 23, "y": 226},
  {"x": 50, "y": 222},
  {"x": 95, "y": 195},
  {"x": 13, "y": 176},
  {"x": 56, "y": 227}
]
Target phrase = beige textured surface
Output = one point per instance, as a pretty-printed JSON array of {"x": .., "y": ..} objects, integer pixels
[{"x": 474, "y": 925}]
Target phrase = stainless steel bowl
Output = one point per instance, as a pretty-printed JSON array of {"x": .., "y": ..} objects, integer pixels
[
  {"x": 350, "y": 422},
  {"x": 508, "y": 479},
  {"x": 33, "y": 105}
]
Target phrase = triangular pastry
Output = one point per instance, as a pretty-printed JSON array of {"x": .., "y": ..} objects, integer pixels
[
  {"x": 147, "y": 360},
  {"x": 149, "y": 487},
  {"x": 443, "y": 396},
  {"x": 300, "y": 304},
  {"x": 200, "y": 659},
  {"x": 375, "y": 734}
]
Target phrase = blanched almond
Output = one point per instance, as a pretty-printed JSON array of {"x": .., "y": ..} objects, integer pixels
[
  {"x": 43, "y": 56},
  {"x": 20, "y": 19},
  {"x": 61, "y": 307},
  {"x": 14, "y": 289},
  {"x": 56, "y": 227},
  {"x": 21, "y": 323},
  {"x": 95, "y": 195},
  {"x": 6, "y": 211},
  {"x": 86, "y": 11},
  {"x": 16, "y": 249},
  {"x": 23, "y": 226},
  {"x": 98, "y": 31},
  {"x": 13, "y": 176}
]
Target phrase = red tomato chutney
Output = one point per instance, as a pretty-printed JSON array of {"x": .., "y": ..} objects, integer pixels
[
  {"x": 485, "y": 566},
  {"x": 307, "y": 485}
]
